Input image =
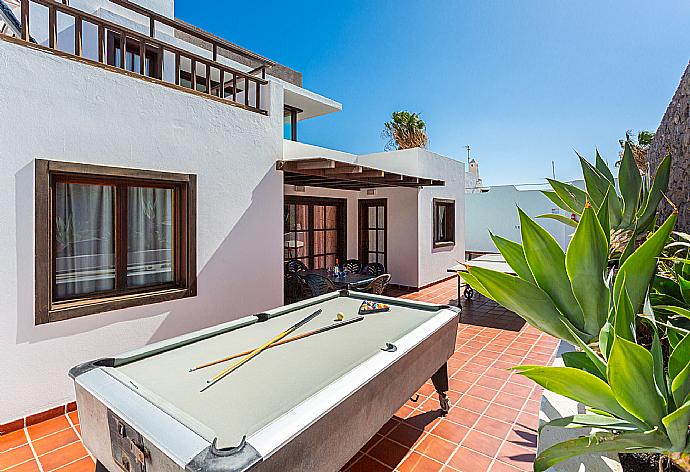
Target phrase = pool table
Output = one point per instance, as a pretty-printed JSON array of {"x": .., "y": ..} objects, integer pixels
[{"x": 310, "y": 404}]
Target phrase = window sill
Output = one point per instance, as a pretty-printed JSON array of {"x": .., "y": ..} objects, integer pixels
[
  {"x": 444, "y": 244},
  {"x": 66, "y": 310}
]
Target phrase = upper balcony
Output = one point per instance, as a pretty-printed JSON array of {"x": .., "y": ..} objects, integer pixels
[{"x": 127, "y": 38}]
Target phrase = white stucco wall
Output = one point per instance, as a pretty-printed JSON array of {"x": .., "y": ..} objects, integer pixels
[
  {"x": 496, "y": 211},
  {"x": 64, "y": 110},
  {"x": 412, "y": 259}
]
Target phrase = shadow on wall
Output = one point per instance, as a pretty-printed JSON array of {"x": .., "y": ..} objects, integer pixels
[{"x": 217, "y": 300}]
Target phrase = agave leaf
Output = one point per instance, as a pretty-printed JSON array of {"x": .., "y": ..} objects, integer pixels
[
  {"x": 677, "y": 427},
  {"x": 658, "y": 357},
  {"x": 603, "y": 168},
  {"x": 668, "y": 286},
  {"x": 580, "y": 386},
  {"x": 604, "y": 217},
  {"x": 514, "y": 255},
  {"x": 597, "y": 185},
  {"x": 628, "y": 250},
  {"x": 574, "y": 197},
  {"x": 615, "y": 207},
  {"x": 600, "y": 442},
  {"x": 684, "y": 286},
  {"x": 553, "y": 196},
  {"x": 580, "y": 360},
  {"x": 630, "y": 183},
  {"x": 675, "y": 309},
  {"x": 647, "y": 215},
  {"x": 546, "y": 260},
  {"x": 595, "y": 360},
  {"x": 679, "y": 358},
  {"x": 631, "y": 377},
  {"x": 591, "y": 421},
  {"x": 586, "y": 261},
  {"x": 638, "y": 269},
  {"x": 606, "y": 339},
  {"x": 472, "y": 281},
  {"x": 526, "y": 300},
  {"x": 680, "y": 387},
  {"x": 561, "y": 218},
  {"x": 624, "y": 322}
]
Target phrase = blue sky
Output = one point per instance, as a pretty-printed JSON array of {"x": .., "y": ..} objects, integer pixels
[{"x": 522, "y": 82}]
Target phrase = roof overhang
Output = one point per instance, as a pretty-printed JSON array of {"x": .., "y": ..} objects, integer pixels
[{"x": 330, "y": 173}]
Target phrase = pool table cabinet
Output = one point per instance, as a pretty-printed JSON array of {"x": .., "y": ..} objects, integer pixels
[{"x": 306, "y": 405}]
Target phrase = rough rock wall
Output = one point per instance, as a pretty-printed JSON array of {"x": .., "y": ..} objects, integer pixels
[{"x": 673, "y": 136}]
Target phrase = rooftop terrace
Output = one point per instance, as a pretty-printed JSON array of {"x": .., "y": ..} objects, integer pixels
[{"x": 492, "y": 425}]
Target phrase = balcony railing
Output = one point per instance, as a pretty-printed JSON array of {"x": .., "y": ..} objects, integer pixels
[{"x": 100, "y": 41}]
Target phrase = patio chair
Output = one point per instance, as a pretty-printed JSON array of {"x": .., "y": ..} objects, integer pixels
[
  {"x": 378, "y": 285},
  {"x": 374, "y": 268},
  {"x": 294, "y": 287},
  {"x": 318, "y": 285},
  {"x": 295, "y": 265},
  {"x": 353, "y": 266}
]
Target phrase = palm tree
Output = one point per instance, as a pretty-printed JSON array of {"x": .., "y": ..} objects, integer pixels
[{"x": 405, "y": 130}]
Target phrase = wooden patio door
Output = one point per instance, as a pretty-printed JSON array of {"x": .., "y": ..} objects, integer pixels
[{"x": 373, "y": 231}]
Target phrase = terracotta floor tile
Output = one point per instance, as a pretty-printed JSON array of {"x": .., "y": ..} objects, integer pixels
[
  {"x": 462, "y": 416},
  {"x": 450, "y": 431},
  {"x": 502, "y": 413},
  {"x": 388, "y": 452},
  {"x": 424, "y": 421},
  {"x": 512, "y": 401},
  {"x": 473, "y": 404},
  {"x": 45, "y": 428},
  {"x": 63, "y": 456},
  {"x": 74, "y": 417},
  {"x": 28, "y": 466},
  {"x": 418, "y": 463},
  {"x": 367, "y": 464},
  {"x": 386, "y": 428},
  {"x": 15, "y": 456},
  {"x": 491, "y": 382},
  {"x": 405, "y": 434},
  {"x": 517, "y": 456},
  {"x": 54, "y": 441},
  {"x": 499, "y": 466},
  {"x": 85, "y": 464},
  {"x": 484, "y": 393},
  {"x": 371, "y": 443},
  {"x": 493, "y": 427},
  {"x": 12, "y": 440},
  {"x": 467, "y": 460},
  {"x": 436, "y": 448},
  {"x": 481, "y": 442}
]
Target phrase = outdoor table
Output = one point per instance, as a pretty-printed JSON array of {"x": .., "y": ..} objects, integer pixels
[
  {"x": 487, "y": 261},
  {"x": 347, "y": 280}
]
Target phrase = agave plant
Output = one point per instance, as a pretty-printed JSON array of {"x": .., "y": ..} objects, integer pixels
[
  {"x": 670, "y": 296},
  {"x": 630, "y": 215},
  {"x": 573, "y": 295},
  {"x": 636, "y": 401}
]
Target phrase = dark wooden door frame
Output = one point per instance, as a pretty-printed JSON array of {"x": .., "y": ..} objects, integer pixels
[
  {"x": 363, "y": 223},
  {"x": 340, "y": 204}
]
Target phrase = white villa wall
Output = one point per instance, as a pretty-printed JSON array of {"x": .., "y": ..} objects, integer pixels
[
  {"x": 412, "y": 259},
  {"x": 496, "y": 211},
  {"x": 96, "y": 116}
]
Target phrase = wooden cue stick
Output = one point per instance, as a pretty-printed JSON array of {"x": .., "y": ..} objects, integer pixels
[
  {"x": 259, "y": 349},
  {"x": 337, "y": 324}
]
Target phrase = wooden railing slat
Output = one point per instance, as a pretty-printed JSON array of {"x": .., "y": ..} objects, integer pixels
[{"x": 78, "y": 36}]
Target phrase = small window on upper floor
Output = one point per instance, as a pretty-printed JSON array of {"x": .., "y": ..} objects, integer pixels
[
  {"x": 444, "y": 222},
  {"x": 110, "y": 238}
]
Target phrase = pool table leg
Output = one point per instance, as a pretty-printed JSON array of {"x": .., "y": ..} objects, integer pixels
[
  {"x": 440, "y": 381},
  {"x": 100, "y": 467}
]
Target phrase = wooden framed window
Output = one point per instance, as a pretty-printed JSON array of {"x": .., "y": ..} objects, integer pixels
[
  {"x": 109, "y": 238},
  {"x": 444, "y": 222}
]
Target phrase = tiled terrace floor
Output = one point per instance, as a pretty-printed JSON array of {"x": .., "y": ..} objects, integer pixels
[{"x": 492, "y": 424}]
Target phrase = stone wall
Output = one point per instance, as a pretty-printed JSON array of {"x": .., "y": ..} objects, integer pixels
[{"x": 673, "y": 136}]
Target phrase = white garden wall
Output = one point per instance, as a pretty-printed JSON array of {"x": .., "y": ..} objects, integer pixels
[{"x": 60, "y": 109}]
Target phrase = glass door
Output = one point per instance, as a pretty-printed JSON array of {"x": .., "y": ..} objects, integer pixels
[
  {"x": 314, "y": 231},
  {"x": 373, "y": 222}
]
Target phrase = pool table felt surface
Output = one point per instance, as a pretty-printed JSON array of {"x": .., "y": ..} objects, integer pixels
[{"x": 277, "y": 379}]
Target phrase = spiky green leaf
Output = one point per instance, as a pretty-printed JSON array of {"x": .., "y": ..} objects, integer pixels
[
  {"x": 603, "y": 168},
  {"x": 679, "y": 358},
  {"x": 574, "y": 197},
  {"x": 596, "y": 184},
  {"x": 591, "y": 421},
  {"x": 680, "y": 387},
  {"x": 638, "y": 269},
  {"x": 553, "y": 196},
  {"x": 630, "y": 183},
  {"x": 514, "y": 255},
  {"x": 631, "y": 377},
  {"x": 624, "y": 321},
  {"x": 677, "y": 427},
  {"x": 647, "y": 215},
  {"x": 563, "y": 219},
  {"x": 586, "y": 261},
  {"x": 546, "y": 261}
]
